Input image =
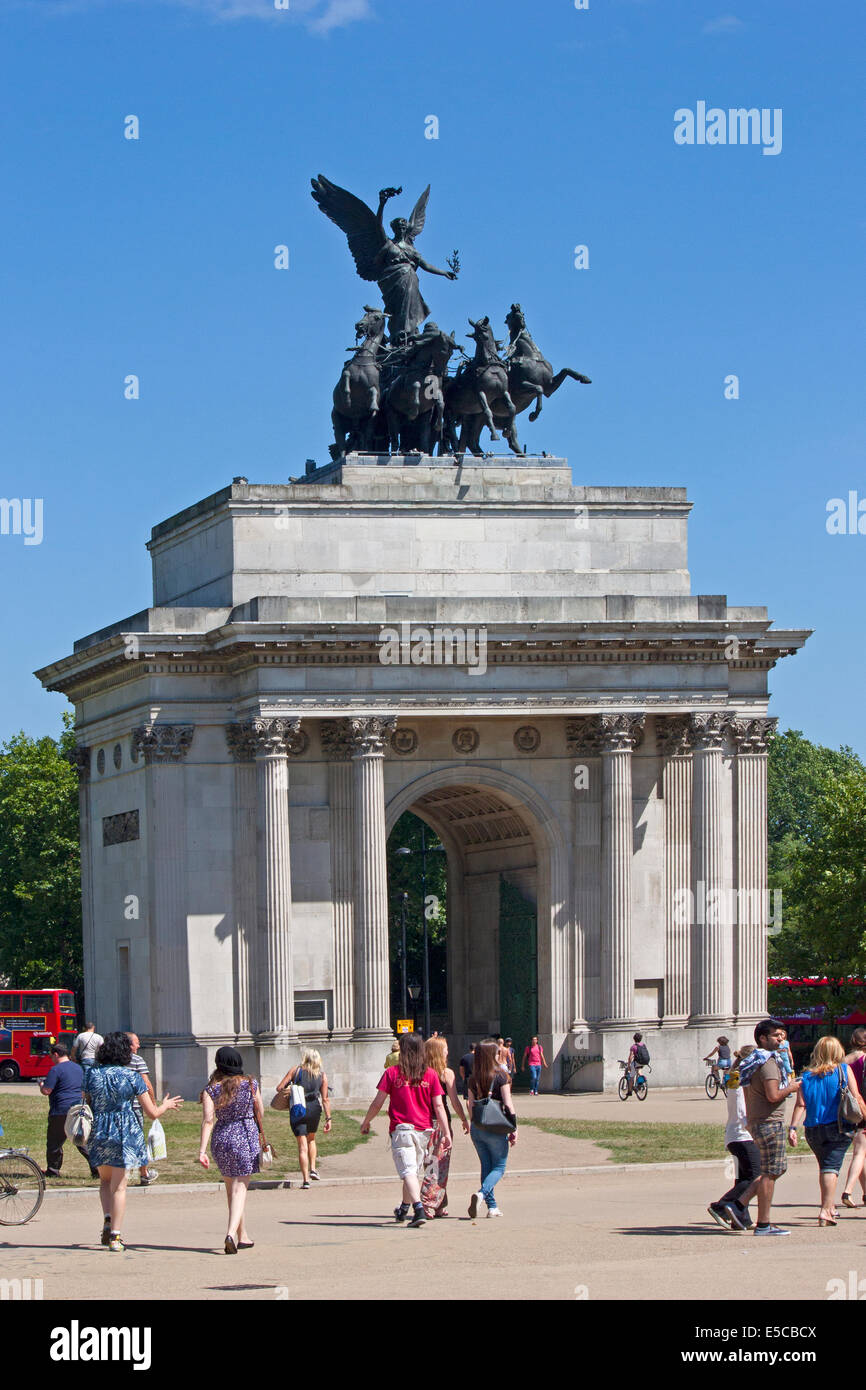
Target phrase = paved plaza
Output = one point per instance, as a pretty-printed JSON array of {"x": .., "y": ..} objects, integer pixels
[{"x": 599, "y": 1233}]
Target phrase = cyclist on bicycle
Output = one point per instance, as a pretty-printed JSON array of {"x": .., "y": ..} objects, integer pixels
[
  {"x": 638, "y": 1056},
  {"x": 722, "y": 1065}
]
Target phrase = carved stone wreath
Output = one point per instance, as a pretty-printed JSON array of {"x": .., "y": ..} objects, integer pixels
[
  {"x": 404, "y": 741},
  {"x": 527, "y": 739},
  {"x": 465, "y": 740}
]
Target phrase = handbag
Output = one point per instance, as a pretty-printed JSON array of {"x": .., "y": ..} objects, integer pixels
[
  {"x": 281, "y": 1101},
  {"x": 488, "y": 1114},
  {"x": 297, "y": 1101},
  {"x": 78, "y": 1124},
  {"x": 849, "y": 1114},
  {"x": 267, "y": 1153}
]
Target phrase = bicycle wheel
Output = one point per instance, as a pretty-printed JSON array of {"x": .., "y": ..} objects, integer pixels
[
  {"x": 22, "y": 1188},
  {"x": 623, "y": 1088},
  {"x": 711, "y": 1086},
  {"x": 641, "y": 1088}
]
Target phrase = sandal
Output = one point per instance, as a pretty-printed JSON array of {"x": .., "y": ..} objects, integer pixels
[{"x": 846, "y": 1200}]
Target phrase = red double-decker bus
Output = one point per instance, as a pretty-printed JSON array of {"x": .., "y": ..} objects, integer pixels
[
  {"x": 30, "y": 1021},
  {"x": 805, "y": 1022}
]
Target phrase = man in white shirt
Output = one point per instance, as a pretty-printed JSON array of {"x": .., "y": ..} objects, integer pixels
[
  {"x": 138, "y": 1064},
  {"x": 85, "y": 1048}
]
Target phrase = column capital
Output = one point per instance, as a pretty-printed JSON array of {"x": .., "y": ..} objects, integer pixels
[
  {"x": 621, "y": 733},
  {"x": 368, "y": 735},
  {"x": 79, "y": 758},
  {"x": 267, "y": 735},
  {"x": 709, "y": 729},
  {"x": 753, "y": 735},
  {"x": 163, "y": 743},
  {"x": 674, "y": 735}
]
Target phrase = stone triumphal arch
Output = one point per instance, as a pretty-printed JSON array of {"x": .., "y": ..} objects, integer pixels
[{"x": 518, "y": 661}]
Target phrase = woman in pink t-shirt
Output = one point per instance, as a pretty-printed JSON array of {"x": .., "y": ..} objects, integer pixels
[
  {"x": 415, "y": 1093},
  {"x": 857, "y": 1061}
]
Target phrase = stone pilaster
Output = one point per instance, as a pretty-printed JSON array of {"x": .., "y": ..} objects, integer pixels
[
  {"x": 711, "y": 925},
  {"x": 337, "y": 747},
  {"x": 751, "y": 738},
  {"x": 621, "y": 734},
  {"x": 674, "y": 743},
  {"x": 584, "y": 745},
  {"x": 80, "y": 758},
  {"x": 164, "y": 747},
  {"x": 247, "y": 996},
  {"x": 372, "y": 1003}
]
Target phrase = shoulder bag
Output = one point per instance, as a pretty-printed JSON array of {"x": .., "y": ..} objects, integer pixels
[
  {"x": 488, "y": 1114},
  {"x": 297, "y": 1099},
  {"x": 849, "y": 1114}
]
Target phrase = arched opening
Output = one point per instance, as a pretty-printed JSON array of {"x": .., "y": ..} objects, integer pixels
[{"x": 503, "y": 937}]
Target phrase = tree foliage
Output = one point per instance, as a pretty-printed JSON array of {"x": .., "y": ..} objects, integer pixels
[
  {"x": 817, "y": 835},
  {"x": 40, "y": 883}
]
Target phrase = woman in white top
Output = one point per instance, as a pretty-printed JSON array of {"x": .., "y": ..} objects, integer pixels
[{"x": 733, "y": 1209}]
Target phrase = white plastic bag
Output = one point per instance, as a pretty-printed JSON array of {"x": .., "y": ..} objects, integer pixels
[{"x": 156, "y": 1142}]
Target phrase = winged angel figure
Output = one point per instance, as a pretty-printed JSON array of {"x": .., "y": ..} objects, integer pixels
[{"x": 392, "y": 261}]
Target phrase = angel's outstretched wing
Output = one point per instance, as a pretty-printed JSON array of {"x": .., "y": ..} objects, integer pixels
[
  {"x": 352, "y": 216},
  {"x": 419, "y": 215}
]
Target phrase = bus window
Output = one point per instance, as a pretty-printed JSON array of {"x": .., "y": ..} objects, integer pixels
[
  {"x": 40, "y": 1045},
  {"x": 36, "y": 1003},
  {"x": 5, "y": 1041},
  {"x": 10, "y": 1003},
  {"x": 66, "y": 1002}
]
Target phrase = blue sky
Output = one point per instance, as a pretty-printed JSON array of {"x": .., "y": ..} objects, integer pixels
[{"x": 155, "y": 257}]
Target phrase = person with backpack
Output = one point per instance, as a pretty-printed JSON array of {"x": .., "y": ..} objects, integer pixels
[
  {"x": 733, "y": 1208},
  {"x": 416, "y": 1107},
  {"x": 638, "y": 1056},
  {"x": 828, "y": 1131}
]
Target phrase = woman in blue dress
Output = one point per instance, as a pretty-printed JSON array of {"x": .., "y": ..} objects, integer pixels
[
  {"x": 232, "y": 1110},
  {"x": 117, "y": 1139}
]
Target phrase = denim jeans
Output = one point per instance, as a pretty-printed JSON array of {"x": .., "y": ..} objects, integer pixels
[
  {"x": 534, "y": 1077},
  {"x": 492, "y": 1149}
]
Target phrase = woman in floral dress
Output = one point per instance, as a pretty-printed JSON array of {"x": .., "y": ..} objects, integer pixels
[
  {"x": 232, "y": 1112},
  {"x": 117, "y": 1139},
  {"x": 434, "y": 1189}
]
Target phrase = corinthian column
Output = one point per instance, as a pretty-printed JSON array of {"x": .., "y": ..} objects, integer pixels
[
  {"x": 80, "y": 757},
  {"x": 165, "y": 747},
  {"x": 372, "y": 1003},
  {"x": 274, "y": 738},
  {"x": 712, "y": 919},
  {"x": 751, "y": 737},
  {"x": 584, "y": 744},
  {"x": 621, "y": 734},
  {"x": 674, "y": 743},
  {"x": 337, "y": 748},
  {"x": 242, "y": 747}
]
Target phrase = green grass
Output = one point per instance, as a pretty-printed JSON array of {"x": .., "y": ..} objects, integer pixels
[
  {"x": 641, "y": 1143},
  {"x": 25, "y": 1118}
]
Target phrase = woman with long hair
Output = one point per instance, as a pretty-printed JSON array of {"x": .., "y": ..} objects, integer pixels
[
  {"x": 232, "y": 1112},
  {"x": 818, "y": 1102},
  {"x": 310, "y": 1076},
  {"x": 434, "y": 1189},
  {"x": 488, "y": 1079},
  {"x": 415, "y": 1094},
  {"x": 117, "y": 1139},
  {"x": 856, "y": 1059}
]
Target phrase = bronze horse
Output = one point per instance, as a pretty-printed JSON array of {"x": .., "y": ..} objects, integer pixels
[
  {"x": 356, "y": 395},
  {"x": 530, "y": 375},
  {"x": 413, "y": 400},
  {"x": 478, "y": 393}
]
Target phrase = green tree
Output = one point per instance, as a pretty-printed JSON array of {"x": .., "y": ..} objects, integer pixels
[
  {"x": 40, "y": 879},
  {"x": 817, "y": 834}
]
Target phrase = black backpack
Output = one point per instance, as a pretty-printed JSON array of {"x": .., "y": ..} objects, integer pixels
[{"x": 642, "y": 1055}]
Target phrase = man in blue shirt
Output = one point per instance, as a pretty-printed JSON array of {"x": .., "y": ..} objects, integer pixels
[{"x": 62, "y": 1085}]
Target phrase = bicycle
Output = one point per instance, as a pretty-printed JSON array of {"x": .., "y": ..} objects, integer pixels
[
  {"x": 715, "y": 1082},
  {"x": 22, "y": 1187},
  {"x": 640, "y": 1087}
]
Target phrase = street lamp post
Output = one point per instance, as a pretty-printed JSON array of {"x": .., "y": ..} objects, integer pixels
[
  {"x": 403, "y": 900},
  {"x": 438, "y": 849}
]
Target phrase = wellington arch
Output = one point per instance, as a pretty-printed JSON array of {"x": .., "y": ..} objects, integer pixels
[{"x": 517, "y": 660}]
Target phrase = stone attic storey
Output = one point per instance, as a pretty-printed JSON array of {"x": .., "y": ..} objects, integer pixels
[{"x": 581, "y": 732}]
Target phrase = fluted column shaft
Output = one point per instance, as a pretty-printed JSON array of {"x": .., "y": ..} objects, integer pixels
[
  {"x": 274, "y": 880},
  {"x": 80, "y": 758},
  {"x": 371, "y": 970},
  {"x": 621, "y": 734},
  {"x": 165, "y": 747},
  {"x": 673, "y": 739},
  {"x": 247, "y": 995},
  {"x": 751, "y": 738},
  {"x": 711, "y": 915},
  {"x": 584, "y": 746},
  {"x": 341, "y": 795}
]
